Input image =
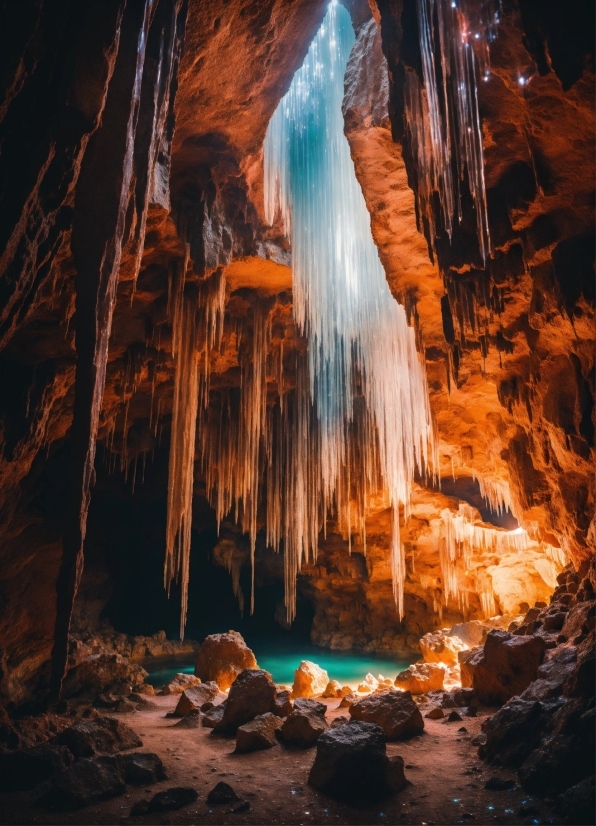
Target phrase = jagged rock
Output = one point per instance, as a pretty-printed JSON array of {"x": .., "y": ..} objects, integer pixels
[
  {"x": 222, "y": 657},
  {"x": 351, "y": 764},
  {"x": 192, "y": 720},
  {"x": 214, "y": 716},
  {"x": 454, "y": 717},
  {"x": 87, "y": 781},
  {"x": 103, "y": 673},
  {"x": 333, "y": 690},
  {"x": 513, "y": 732},
  {"x": 439, "y": 647},
  {"x": 369, "y": 684},
  {"x": 468, "y": 660},
  {"x": 348, "y": 699},
  {"x": 222, "y": 793},
  {"x": 340, "y": 720},
  {"x": 471, "y": 633},
  {"x": 282, "y": 704},
  {"x": 196, "y": 698},
  {"x": 25, "y": 768},
  {"x": 309, "y": 680},
  {"x": 499, "y": 784},
  {"x": 552, "y": 675},
  {"x": 251, "y": 694},
  {"x": 141, "y": 768},
  {"x": 506, "y": 668},
  {"x": 421, "y": 678},
  {"x": 581, "y": 681},
  {"x": 166, "y": 801},
  {"x": 576, "y": 806},
  {"x": 579, "y": 622},
  {"x": 395, "y": 711},
  {"x": 305, "y": 724},
  {"x": 180, "y": 683},
  {"x": 103, "y": 735},
  {"x": 258, "y": 734}
]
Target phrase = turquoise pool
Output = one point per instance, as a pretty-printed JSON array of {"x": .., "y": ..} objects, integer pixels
[{"x": 281, "y": 660}]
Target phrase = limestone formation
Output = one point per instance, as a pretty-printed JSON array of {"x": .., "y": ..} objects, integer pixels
[
  {"x": 394, "y": 711},
  {"x": 438, "y": 647},
  {"x": 180, "y": 683},
  {"x": 421, "y": 678},
  {"x": 222, "y": 657},
  {"x": 309, "y": 680}
]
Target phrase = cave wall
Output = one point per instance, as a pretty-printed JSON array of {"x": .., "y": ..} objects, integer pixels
[{"x": 510, "y": 377}]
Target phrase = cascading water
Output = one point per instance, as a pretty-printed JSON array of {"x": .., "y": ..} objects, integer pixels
[{"x": 359, "y": 341}]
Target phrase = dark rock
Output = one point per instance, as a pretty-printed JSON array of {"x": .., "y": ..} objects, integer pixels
[
  {"x": 576, "y": 806},
  {"x": 197, "y": 697},
  {"x": 103, "y": 735},
  {"x": 435, "y": 713},
  {"x": 101, "y": 673},
  {"x": 341, "y": 720},
  {"x": 352, "y": 764},
  {"x": 581, "y": 682},
  {"x": 243, "y": 806},
  {"x": 222, "y": 793},
  {"x": 507, "y": 667},
  {"x": 463, "y": 697},
  {"x": 554, "y": 622},
  {"x": 454, "y": 717},
  {"x": 395, "y": 711},
  {"x": 166, "y": 801},
  {"x": 192, "y": 720},
  {"x": 468, "y": 660},
  {"x": 305, "y": 724},
  {"x": 25, "y": 768},
  {"x": 258, "y": 734},
  {"x": 212, "y": 717},
  {"x": 282, "y": 703},
  {"x": 513, "y": 732},
  {"x": 552, "y": 675},
  {"x": 141, "y": 768},
  {"x": 87, "y": 781},
  {"x": 499, "y": 784},
  {"x": 222, "y": 657},
  {"x": 251, "y": 694},
  {"x": 579, "y": 622}
]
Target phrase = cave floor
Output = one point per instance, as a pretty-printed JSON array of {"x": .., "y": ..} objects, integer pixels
[{"x": 447, "y": 782}]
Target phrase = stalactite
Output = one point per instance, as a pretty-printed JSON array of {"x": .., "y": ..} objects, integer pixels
[
  {"x": 357, "y": 333},
  {"x": 442, "y": 117}
]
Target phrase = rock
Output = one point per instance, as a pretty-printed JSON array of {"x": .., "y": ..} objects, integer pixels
[
  {"x": 309, "y": 680},
  {"x": 394, "y": 711},
  {"x": 576, "y": 806},
  {"x": 454, "y": 717},
  {"x": 579, "y": 622},
  {"x": 222, "y": 657},
  {"x": 258, "y": 734},
  {"x": 581, "y": 682},
  {"x": 99, "y": 673},
  {"x": 347, "y": 700},
  {"x": 340, "y": 720},
  {"x": 468, "y": 660},
  {"x": 499, "y": 784},
  {"x": 87, "y": 781},
  {"x": 369, "y": 684},
  {"x": 439, "y": 647},
  {"x": 103, "y": 735},
  {"x": 462, "y": 697},
  {"x": 552, "y": 675},
  {"x": 125, "y": 707},
  {"x": 222, "y": 793},
  {"x": 282, "y": 704},
  {"x": 351, "y": 764},
  {"x": 333, "y": 690},
  {"x": 213, "y": 717},
  {"x": 305, "y": 724},
  {"x": 472, "y": 633},
  {"x": 166, "y": 801},
  {"x": 180, "y": 683},
  {"x": 192, "y": 720},
  {"x": 141, "y": 768},
  {"x": 435, "y": 713},
  {"x": 26, "y": 768},
  {"x": 196, "y": 698},
  {"x": 421, "y": 678},
  {"x": 251, "y": 694},
  {"x": 507, "y": 667},
  {"x": 243, "y": 806},
  {"x": 513, "y": 732}
]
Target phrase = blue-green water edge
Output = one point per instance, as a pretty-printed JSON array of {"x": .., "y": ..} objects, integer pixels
[{"x": 282, "y": 659}]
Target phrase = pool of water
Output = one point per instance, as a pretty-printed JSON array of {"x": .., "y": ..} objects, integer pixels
[{"x": 281, "y": 660}]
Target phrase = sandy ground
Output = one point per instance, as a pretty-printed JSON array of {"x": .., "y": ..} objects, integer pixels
[{"x": 446, "y": 775}]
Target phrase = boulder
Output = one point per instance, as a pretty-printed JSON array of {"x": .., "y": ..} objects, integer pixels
[
  {"x": 252, "y": 693},
  {"x": 468, "y": 660},
  {"x": 471, "y": 633},
  {"x": 333, "y": 690},
  {"x": 340, "y": 720},
  {"x": 507, "y": 666},
  {"x": 435, "y": 713},
  {"x": 581, "y": 682},
  {"x": 166, "y": 801},
  {"x": 100, "y": 673},
  {"x": 222, "y": 657},
  {"x": 195, "y": 699},
  {"x": 513, "y": 732},
  {"x": 222, "y": 793},
  {"x": 212, "y": 717},
  {"x": 576, "y": 806},
  {"x": 579, "y": 622},
  {"x": 439, "y": 647},
  {"x": 348, "y": 699},
  {"x": 192, "y": 720},
  {"x": 282, "y": 704},
  {"x": 258, "y": 734},
  {"x": 87, "y": 781},
  {"x": 552, "y": 675},
  {"x": 102, "y": 735},
  {"x": 26, "y": 768},
  {"x": 394, "y": 711},
  {"x": 351, "y": 764},
  {"x": 180, "y": 683},
  {"x": 305, "y": 724},
  {"x": 309, "y": 680},
  {"x": 140, "y": 768},
  {"x": 421, "y": 678},
  {"x": 369, "y": 684}
]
